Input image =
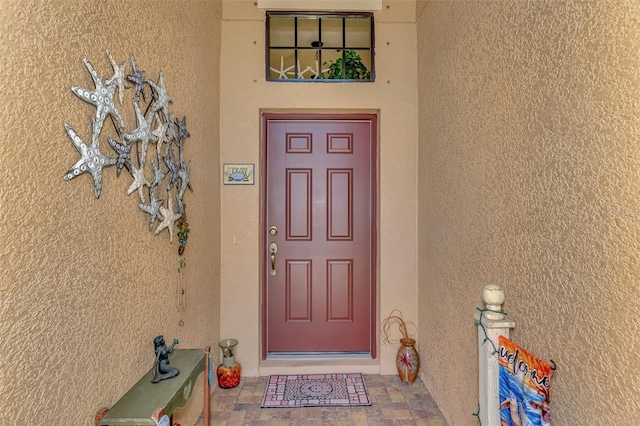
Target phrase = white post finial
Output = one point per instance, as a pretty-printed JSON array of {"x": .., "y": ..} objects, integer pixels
[
  {"x": 493, "y": 296},
  {"x": 491, "y": 325}
]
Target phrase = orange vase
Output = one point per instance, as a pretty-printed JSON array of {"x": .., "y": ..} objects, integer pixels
[
  {"x": 407, "y": 361},
  {"x": 229, "y": 371}
]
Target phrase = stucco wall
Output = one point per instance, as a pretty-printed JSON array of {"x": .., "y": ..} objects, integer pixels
[
  {"x": 85, "y": 286},
  {"x": 529, "y": 178},
  {"x": 245, "y": 93}
]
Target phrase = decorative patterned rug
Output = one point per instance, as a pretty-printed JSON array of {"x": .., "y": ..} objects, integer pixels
[{"x": 315, "y": 390}]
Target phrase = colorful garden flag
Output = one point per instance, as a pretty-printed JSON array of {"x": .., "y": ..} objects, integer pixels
[{"x": 524, "y": 387}]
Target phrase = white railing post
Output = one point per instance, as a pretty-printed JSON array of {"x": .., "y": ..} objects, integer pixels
[{"x": 491, "y": 324}]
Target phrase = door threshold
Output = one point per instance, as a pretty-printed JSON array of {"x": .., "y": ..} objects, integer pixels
[
  {"x": 337, "y": 363},
  {"x": 317, "y": 355}
]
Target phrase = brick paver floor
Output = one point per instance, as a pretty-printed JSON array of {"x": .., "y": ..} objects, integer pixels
[{"x": 392, "y": 403}]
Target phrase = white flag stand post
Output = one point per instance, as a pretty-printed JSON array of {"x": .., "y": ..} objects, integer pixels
[{"x": 492, "y": 322}]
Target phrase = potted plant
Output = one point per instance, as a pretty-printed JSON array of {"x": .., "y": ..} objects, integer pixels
[
  {"x": 352, "y": 65},
  {"x": 407, "y": 359}
]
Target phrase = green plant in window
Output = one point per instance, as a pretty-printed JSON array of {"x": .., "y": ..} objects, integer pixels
[{"x": 354, "y": 68}]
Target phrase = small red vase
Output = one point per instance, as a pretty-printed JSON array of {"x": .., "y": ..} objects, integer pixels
[
  {"x": 229, "y": 371},
  {"x": 228, "y": 376}
]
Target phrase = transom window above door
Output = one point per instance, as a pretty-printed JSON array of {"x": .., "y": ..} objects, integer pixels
[{"x": 320, "y": 47}]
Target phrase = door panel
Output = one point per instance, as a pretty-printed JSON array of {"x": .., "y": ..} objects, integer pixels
[
  {"x": 299, "y": 204},
  {"x": 319, "y": 192}
]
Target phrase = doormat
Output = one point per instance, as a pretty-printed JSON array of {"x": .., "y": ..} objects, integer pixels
[{"x": 315, "y": 390}]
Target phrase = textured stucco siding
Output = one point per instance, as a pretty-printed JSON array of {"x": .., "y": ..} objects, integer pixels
[
  {"x": 85, "y": 286},
  {"x": 529, "y": 177}
]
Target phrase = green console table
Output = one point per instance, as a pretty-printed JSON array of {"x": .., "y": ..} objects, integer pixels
[{"x": 145, "y": 402}]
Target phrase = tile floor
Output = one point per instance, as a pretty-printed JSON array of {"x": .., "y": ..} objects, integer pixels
[{"x": 392, "y": 403}]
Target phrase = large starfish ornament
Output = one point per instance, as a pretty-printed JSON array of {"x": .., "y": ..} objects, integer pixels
[
  {"x": 282, "y": 72},
  {"x": 92, "y": 161},
  {"x": 101, "y": 97},
  {"x": 139, "y": 182},
  {"x": 173, "y": 168},
  {"x": 137, "y": 78},
  {"x": 142, "y": 133},
  {"x": 168, "y": 219},
  {"x": 160, "y": 132},
  {"x": 167, "y": 129},
  {"x": 118, "y": 77},
  {"x": 151, "y": 208},
  {"x": 124, "y": 154},
  {"x": 163, "y": 97}
]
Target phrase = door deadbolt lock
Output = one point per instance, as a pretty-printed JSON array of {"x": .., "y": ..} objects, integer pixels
[{"x": 273, "y": 230}]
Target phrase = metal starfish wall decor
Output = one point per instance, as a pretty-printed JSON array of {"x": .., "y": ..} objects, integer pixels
[{"x": 132, "y": 143}]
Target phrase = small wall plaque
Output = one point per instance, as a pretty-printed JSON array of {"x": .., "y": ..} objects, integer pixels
[{"x": 238, "y": 174}]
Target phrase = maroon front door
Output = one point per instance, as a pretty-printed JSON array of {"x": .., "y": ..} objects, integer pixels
[{"x": 319, "y": 236}]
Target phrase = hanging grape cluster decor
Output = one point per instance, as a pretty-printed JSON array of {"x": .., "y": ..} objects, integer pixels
[{"x": 163, "y": 178}]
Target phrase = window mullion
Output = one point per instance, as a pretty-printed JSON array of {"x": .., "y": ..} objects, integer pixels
[
  {"x": 295, "y": 49},
  {"x": 319, "y": 51},
  {"x": 344, "y": 48}
]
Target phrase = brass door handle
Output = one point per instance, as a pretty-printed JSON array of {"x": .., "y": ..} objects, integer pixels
[{"x": 273, "y": 249}]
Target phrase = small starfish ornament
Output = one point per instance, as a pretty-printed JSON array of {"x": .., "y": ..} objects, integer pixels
[
  {"x": 101, "y": 97},
  {"x": 183, "y": 174},
  {"x": 139, "y": 182},
  {"x": 171, "y": 129},
  {"x": 92, "y": 161},
  {"x": 163, "y": 97},
  {"x": 302, "y": 73},
  {"x": 160, "y": 132},
  {"x": 151, "y": 208},
  {"x": 173, "y": 168},
  {"x": 182, "y": 129},
  {"x": 181, "y": 205},
  {"x": 124, "y": 154},
  {"x": 118, "y": 77},
  {"x": 282, "y": 72},
  {"x": 318, "y": 72},
  {"x": 142, "y": 133},
  {"x": 137, "y": 78},
  {"x": 158, "y": 176},
  {"x": 168, "y": 219}
]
